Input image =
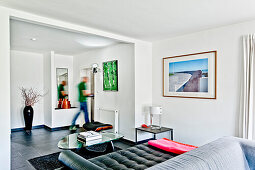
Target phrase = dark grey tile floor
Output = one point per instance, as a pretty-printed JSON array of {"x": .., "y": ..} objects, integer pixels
[{"x": 40, "y": 142}]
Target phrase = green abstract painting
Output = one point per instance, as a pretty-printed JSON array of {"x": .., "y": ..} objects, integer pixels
[{"x": 110, "y": 69}]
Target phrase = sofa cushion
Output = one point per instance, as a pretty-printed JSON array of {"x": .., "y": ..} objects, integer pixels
[
  {"x": 222, "y": 154},
  {"x": 171, "y": 146},
  {"x": 96, "y": 126},
  {"x": 138, "y": 157}
]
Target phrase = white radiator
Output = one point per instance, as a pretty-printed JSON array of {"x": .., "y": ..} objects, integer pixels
[{"x": 107, "y": 119}]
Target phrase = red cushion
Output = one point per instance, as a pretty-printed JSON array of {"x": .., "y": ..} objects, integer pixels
[{"x": 171, "y": 146}]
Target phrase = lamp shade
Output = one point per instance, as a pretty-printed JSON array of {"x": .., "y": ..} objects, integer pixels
[{"x": 156, "y": 110}]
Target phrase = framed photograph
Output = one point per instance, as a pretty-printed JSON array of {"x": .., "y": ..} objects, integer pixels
[
  {"x": 191, "y": 75},
  {"x": 110, "y": 75}
]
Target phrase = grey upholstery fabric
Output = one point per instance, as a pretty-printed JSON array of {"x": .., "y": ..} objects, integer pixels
[
  {"x": 74, "y": 161},
  {"x": 222, "y": 154},
  {"x": 248, "y": 147},
  {"x": 137, "y": 157}
]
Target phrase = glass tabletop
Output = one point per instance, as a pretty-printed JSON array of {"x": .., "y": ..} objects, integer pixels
[{"x": 71, "y": 142}]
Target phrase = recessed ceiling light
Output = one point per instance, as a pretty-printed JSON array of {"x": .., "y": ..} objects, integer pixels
[{"x": 33, "y": 39}]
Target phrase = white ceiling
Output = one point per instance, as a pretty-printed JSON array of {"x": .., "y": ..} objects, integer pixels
[
  {"x": 142, "y": 19},
  {"x": 52, "y": 39}
]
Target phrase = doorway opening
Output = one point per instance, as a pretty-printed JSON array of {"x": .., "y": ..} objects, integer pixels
[{"x": 42, "y": 57}]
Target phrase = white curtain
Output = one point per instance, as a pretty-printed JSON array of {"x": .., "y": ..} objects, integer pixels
[{"x": 247, "y": 97}]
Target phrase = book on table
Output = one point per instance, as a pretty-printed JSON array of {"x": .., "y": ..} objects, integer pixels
[
  {"x": 89, "y": 136},
  {"x": 91, "y": 142}
]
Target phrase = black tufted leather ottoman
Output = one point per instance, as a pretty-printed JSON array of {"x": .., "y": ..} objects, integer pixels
[{"x": 137, "y": 157}]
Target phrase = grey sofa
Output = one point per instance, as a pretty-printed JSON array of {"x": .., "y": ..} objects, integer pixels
[{"x": 228, "y": 153}]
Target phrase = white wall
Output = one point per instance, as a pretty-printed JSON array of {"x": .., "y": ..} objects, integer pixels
[
  {"x": 63, "y": 61},
  {"x": 27, "y": 72},
  {"x": 62, "y": 117},
  {"x": 124, "y": 99},
  {"x": 197, "y": 121},
  {"x": 143, "y": 82},
  {"x": 143, "y": 87},
  {"x": 5, "y": 89},
  {"x": 47, "y": 87}
]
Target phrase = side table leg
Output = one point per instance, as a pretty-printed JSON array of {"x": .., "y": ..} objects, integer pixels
[
  {"x": 171, "y": 134},
  {"x": 110, "y": 147},
  {"x": 136, "y": 136}
]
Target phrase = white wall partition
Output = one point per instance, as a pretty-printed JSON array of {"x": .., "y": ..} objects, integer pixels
[
  {"x": 53, "y": 117},
  {"x": 62, "y": 117},
  {"x": 143, "y": 82},
  {"x": 47, "y": 86}
]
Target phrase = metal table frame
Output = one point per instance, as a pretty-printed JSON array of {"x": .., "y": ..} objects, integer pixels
[{"x": 154, "y": 132}]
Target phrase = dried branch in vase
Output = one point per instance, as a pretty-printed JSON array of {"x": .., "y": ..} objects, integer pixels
[{"x": 30, "y": 96}]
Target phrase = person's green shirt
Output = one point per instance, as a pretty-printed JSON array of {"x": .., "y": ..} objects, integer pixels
[
  {"x": 60, "y": 89},
  {"x": 82, "y": 86}
]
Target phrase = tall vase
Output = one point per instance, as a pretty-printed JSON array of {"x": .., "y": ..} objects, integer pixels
[
  {"x": 65, "y": 104},
  {"x": 28, "y": 113}
]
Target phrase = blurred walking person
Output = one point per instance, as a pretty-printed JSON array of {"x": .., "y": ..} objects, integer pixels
[
  {"x": 61, "y": 91},
  {"x": 83, "y": 94}
]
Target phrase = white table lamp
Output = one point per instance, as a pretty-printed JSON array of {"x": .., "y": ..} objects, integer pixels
[{"x": 155, "y": 110}]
